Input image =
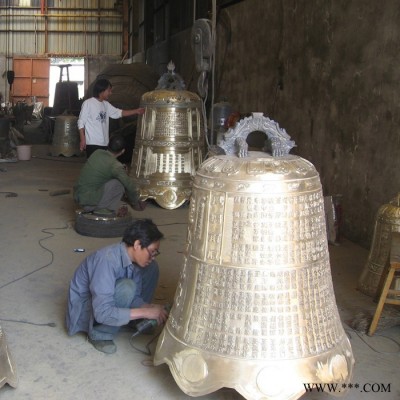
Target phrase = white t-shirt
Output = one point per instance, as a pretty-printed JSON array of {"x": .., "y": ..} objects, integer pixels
[{"x": 94, "y": 117}]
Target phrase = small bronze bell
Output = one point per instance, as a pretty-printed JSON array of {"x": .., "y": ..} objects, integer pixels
[{"x": 255, "y": 308}]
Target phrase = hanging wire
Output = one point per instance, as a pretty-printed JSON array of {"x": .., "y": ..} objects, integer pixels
[
  {"x": 213, "y": 44},
  {"x": 204, "y": 89}
]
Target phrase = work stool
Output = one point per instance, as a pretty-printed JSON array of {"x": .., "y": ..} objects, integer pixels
[
  {"x": 66, "y": 96},
  {"x": 62, "y": 66},
  {"x": 391, "y": 270}
]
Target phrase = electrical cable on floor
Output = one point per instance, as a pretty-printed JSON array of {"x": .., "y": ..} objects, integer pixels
[
  {"x": 360, "y": 335},
  {"x": 52, "y": 324},
  {"x": 45, "y": 230},
  {"x": 148, "y": 351}
]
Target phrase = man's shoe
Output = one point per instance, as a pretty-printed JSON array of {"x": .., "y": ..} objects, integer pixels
[{"x": 105, "y": 346}]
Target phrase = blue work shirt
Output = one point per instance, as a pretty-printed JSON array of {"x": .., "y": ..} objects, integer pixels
[{"x": 92, "y": 289}]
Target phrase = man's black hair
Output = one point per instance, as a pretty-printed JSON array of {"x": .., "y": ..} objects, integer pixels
[
  {"x": 116, "y": 143},
  {"x": 144, "y": 230},
  {"x": 100, "y": 86}
]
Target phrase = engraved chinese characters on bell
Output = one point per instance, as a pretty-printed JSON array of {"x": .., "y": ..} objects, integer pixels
[{"x": 255, "y": 308}]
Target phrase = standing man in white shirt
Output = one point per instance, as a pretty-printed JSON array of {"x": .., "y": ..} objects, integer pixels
[{"x": 93, "y": 122}]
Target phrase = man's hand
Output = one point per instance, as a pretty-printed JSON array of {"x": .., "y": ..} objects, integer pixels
[
  {"x": 82, "y": 144},
  {"x": 82, "y": 139},
  {"x": 157, "y": 312},
  {"x": 132, "y": 111},
  {"x": 140, "y": 206}
]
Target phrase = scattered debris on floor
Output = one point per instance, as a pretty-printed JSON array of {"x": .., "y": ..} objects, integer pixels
[
  {"x": 59, "y": 192},
  {"x": 9, "y": 194}
]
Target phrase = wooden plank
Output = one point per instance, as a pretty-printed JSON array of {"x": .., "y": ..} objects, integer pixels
[{"x": 395, "y": 248}]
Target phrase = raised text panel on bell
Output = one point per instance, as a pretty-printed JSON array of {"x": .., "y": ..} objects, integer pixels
[{"x": 255, "y": 308}]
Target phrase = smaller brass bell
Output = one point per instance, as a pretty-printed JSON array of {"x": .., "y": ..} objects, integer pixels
[
  {"x": 66, "y": 137},
  {"x": 387, "y": 221},
  {"x": 170, "y": 143}
]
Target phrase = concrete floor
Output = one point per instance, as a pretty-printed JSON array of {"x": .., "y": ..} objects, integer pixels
[{"x": 37, "y": 261}]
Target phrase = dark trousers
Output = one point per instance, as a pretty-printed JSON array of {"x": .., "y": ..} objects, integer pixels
[{"x": 91, "y": 148}]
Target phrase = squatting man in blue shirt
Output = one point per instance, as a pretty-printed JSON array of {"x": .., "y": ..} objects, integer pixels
[{"x": 115, "y": 285}]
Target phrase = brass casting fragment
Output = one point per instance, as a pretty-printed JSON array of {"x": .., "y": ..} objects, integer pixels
[{"x": 255, "y": 309}]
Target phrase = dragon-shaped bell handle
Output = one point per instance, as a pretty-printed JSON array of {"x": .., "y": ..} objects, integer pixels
[{"x": 234, "y": 141}]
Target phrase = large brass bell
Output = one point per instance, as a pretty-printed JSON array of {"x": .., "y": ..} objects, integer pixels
[
  {"x": 255, "y": 309},
  {"x": 387, "y": 221},
  {"x": 169, "y": 146}
]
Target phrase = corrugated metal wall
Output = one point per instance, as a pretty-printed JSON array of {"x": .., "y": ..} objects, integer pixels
[{"x": 74, "y": 28}]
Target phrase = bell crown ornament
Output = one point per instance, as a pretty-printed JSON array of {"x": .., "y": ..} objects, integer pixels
[{"x": 254, "y": 308}]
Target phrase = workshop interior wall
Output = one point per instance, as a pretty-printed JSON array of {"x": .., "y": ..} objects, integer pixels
[{"x": 327, "y": 72}]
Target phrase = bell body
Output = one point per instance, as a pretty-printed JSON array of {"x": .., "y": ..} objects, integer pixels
[
  {"x": 255, "y": 308},
  {"x": 169, "y": 146},
  {"x": 66, "y": 136},
  {"x": 8, "y": 373},
  {"x": 387, "y": 221}
]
